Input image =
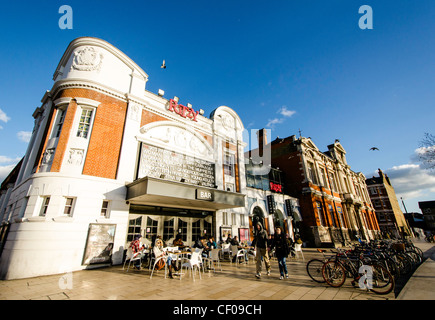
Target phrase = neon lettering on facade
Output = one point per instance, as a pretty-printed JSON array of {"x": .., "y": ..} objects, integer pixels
[
  {"x": 275, "y": 187},
  {"x": 185, "y": 112}
]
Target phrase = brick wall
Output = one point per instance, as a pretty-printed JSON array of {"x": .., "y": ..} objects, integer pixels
[{"x": 106, "y": 135}]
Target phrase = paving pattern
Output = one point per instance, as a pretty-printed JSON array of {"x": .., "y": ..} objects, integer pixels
[{"x": 232, "y": 283}]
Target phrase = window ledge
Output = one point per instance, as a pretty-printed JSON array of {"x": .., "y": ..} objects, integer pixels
[
  {"x": 34, "y": 219},
  {"x": 63, "y": 219}
]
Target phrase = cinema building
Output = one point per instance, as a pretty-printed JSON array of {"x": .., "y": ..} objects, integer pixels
[{"x": 108, "y": 160}]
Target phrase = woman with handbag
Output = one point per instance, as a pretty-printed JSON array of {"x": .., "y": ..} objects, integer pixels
[{"x": 281, "y": 251}]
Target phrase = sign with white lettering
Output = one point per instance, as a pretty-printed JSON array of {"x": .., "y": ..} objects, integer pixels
[
  {"x": 204, "y": 194},
  {"x": 161, "y": 163}
]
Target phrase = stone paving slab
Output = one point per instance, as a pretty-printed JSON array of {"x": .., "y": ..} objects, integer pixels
[{"x": 232, "y": 283}]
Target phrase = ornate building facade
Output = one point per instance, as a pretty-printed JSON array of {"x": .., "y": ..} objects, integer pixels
[
  {"x": 108, "y": 160},
  {"x": 334, "y": 201}
]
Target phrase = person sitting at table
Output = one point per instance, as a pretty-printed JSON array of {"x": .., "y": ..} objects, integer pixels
[
  {"x": 199, "y": 244},
  {"x": 235, "y": 241},
  {"x": 211, "y": 243},
  {"x": 228, "y": 239},
  {"x": 137, "y": 247},
  {"x": 158, "y": 252},
  {"x": 178, "y": 241}
]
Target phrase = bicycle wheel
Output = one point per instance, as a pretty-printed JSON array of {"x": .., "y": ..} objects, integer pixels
[
  {"x": 382, "y": 281},
  {"x": 334, "y": 273},
  {"x": 314, "y": 270}
]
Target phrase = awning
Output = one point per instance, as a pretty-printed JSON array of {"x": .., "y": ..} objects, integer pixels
[{"x": 160, "y": 192}]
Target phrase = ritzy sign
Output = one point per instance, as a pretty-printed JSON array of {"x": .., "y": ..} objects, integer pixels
[{"x": 185, "y": 112}]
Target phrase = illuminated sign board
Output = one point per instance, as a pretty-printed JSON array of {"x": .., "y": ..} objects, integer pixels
[{"x": 204, "y": 194}]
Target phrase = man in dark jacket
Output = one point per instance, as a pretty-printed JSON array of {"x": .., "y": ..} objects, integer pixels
[{"x": 260, "y": 242}]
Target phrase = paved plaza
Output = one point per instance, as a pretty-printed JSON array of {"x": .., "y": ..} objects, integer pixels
[{"x": 232, "y": 283}]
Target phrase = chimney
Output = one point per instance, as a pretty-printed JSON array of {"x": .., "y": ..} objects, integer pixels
[{"x": 262, "y": 140}]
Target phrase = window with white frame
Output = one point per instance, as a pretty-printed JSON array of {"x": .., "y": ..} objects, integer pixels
[
  {"x": 225, "y": 218},
  {"x": 229, "y": 164},
  {"x": 233, "y": 218},
  {"x": 68, "y": 209},
  {"x": 84, "y": 123},
  {"x": 44, "y": 208},
  {"x": 312, "y": 173},
  {"x": 105, "y": 209},
  {"x": 242, "y": 219},
  {"x": 59, "y": 122}
]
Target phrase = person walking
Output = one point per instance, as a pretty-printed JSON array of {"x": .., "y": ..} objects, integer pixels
[
  {"x": 260, "y": 242},
  {"x": 282, "y": 250}
]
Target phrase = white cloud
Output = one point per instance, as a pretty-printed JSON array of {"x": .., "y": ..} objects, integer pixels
[
  {"x": 24, "y": 135},
  {"x": 273, "y": 122},
  {"x": 412, "y": 181},
  {"x": 5, "y": 170},
  {"x": 285, "y": 112},
  {"x": 4, "y": 159},
  {"x": 3, "y": 116},
  {"x": 282, "y": 111}
]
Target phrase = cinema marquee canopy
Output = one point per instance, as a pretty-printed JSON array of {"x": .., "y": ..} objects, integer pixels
[{"x": 162, "y": 192}]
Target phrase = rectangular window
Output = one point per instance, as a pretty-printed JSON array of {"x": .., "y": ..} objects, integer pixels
[
  {"x": 60, "y": 122},
  {"x": 84, "y": 124},
  {"x": 233, "y": 219},
  {"x": 168, "y": 229},
  {"x": 331, "y": 212},
  {"x": 207, "y": 228},
  {"x": 68, "y": 207},
  {"x": 242, "y": 220},
  {"x": 333, "y": 184},
  {"x": 134, "y": 228},
  {"x": 182, "y": 229},
  {"x": 225, "y": 218},
  {"x": 323, "y": 178},
  {"x": 320, "y": 214},
  {"x": 45, "y": 203},
  {"x": 229, "y": 165},
  {"x": 151, "y": 228},
  {"x": 196, "y": 230},
  {"x": 312, "y": 173},
  {"x": 105, "y": 209}
]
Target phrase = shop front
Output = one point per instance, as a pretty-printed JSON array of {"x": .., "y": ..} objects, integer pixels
[{"x": 165, "y": 208}]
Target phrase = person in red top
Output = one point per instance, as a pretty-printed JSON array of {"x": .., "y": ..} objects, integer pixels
[{"x": 136, "y": 247}]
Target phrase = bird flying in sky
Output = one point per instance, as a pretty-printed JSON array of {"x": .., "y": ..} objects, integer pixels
[
  {"x": 163, "y": 66},
  {"x": 374, "y": 148}
]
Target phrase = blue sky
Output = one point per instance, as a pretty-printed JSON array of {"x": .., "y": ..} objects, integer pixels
[{"x": 282, "y": 64}]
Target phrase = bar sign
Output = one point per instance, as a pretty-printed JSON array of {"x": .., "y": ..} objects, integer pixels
[{"x": 204, "y": 194}]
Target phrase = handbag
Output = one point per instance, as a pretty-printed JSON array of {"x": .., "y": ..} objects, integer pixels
[{"x": 160, "y": 264}]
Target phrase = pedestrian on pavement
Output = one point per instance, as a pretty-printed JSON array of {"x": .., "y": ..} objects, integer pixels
[
  {"x": 260, "y": 242},
  {"x": 281, "y": 251}
]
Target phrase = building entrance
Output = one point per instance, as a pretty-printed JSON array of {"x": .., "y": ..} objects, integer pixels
[{"x": 152, "y": 221}]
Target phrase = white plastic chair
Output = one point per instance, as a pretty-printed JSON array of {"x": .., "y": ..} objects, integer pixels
[
  {"x": 252, "y": 254},
  {"x": 298, "y": 248},
  {"x": 130, "y": 256},
  {"x": 155, "y": 263},
  {"x": 236, "y": 252},
  {"x": 226, "y": 248},
  {"x": 191, "y": 263},
  {"x": 214, "y": 256}
]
